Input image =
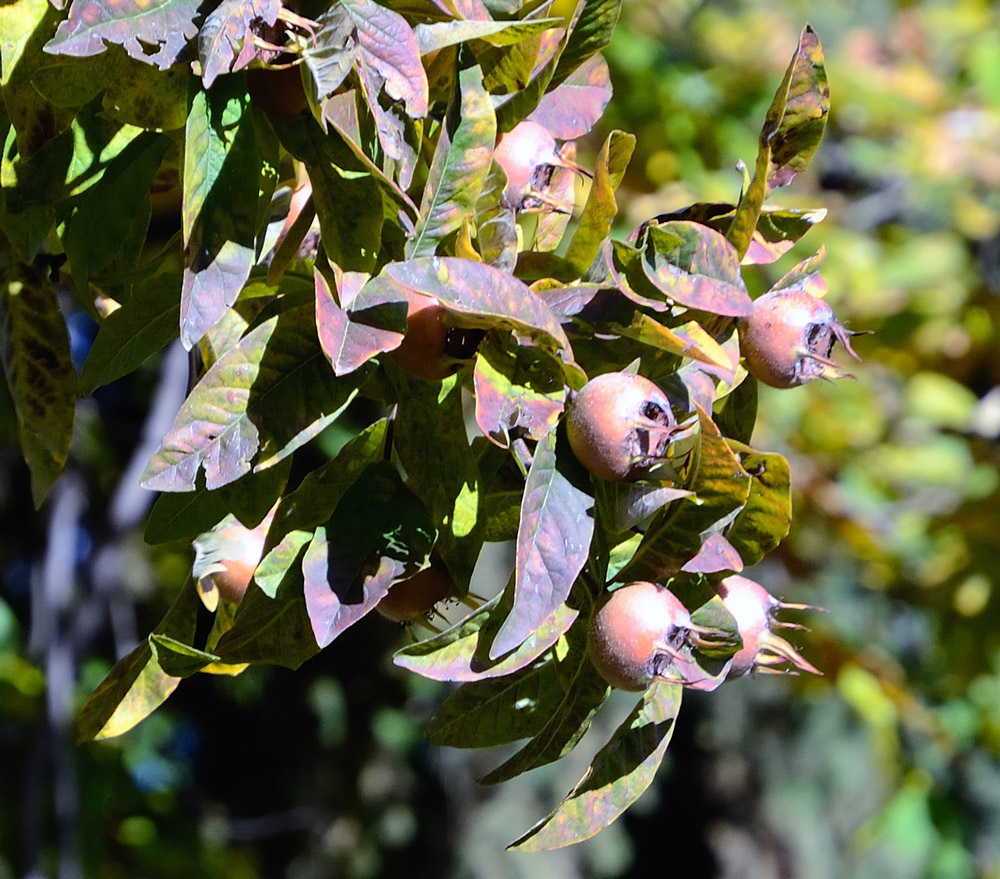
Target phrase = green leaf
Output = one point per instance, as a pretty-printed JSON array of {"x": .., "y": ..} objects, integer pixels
[
  {"x": 687, "y": 340},
  {"x": 137, "y": 684},
  {"x": 496, "y": 226},
  {"x": 229, "y": 173},
  {"x": 34, "y": 351},
  {"x": 553, "y": 543},
  {"x": 518, "y": 389},
  {"x": 226, "y": 38},
  {"x": 143, "y": 325},
  {"x": 259, "y": 401},
  {"x": 330, "y": 56},
  {"x": 601, "y": 208},
  {"x": 439, "y": 35},
  {"x": 590, "y": 31},
  {"x": 184, "y": 515},
  {"x": 460, "y": 164},
  {"x": 165, "y": 25},
  {"x": 766, "y": 517},
  {"x": 619, "y": 774},
  {"x": 313, "y": 503},
  {"x": 568, "y": 711},
  {"x": 496, "y": 711},
  {"x": 790, "y": 136}
]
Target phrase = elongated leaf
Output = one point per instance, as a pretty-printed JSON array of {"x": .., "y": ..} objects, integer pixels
[
  {"x": 767, "y": 516},
  {"x": 619, "y": 774},
  {"x": 331, "y": 55},
  {"x": 573, "y": 108},
  {"x": 462, "y": 652},
  {"x": 601, "y": 208},
  {"x": 137, "y": 684},
  {"x": 389, "y": 46},
  {"x": 460, "y": 164},
  {"x": 496, "y": 226},
  {"x": 676, "y": 535},
  {"x": 590, "y": 31},
  {"x": 582, "y": 691},
  {"x": 229, "y": 172},
  {"x": 313, "y": 503},
  {"x": 687, "y": 340},
  {"x": 553, "y": 542},
  {"x": 516, "y": 390},
  {"x": 143, "y": 325},
  {"x": 34, "y": 351},
  {"x": 226, "y": 39},
  {"x": 496, "y": 711},
  {"x": 441, "y": 468},
  {"x": 166, "y": 25},
  {"x": 439, "y": 35},
  {"x": 260, "y": 401},
  {"x": 790, "y": 136},
  {"x": 378, "y": 535}
]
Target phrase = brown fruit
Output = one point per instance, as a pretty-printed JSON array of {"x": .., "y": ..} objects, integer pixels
[
  {"x": 409, "y": 600},
  {"x": 227, "y": 556},
  {"x": 433, "y": 349},
  {"x": 619, "y": 426},
  {"x": 788, "y": 337},
  {"x": 636, "y": 634}
]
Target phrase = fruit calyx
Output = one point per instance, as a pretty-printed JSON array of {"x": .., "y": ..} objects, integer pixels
[
  {"x": 755, "y": 611},
  {"x": 788, "y": 337}
]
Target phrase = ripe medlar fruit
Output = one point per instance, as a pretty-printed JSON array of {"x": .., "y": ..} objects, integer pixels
[
  {"x": 528, "y": 155},
  {"x": 414, "y": 598},
  {"x": 226, "y": 558},
  {"x": 433, "y": 349},
  {"x": 755, "y": 611},
  {"x": 637, "y": 634},
  {"x": 787, "y": 339},
  {"x": 619, "y": 426}
]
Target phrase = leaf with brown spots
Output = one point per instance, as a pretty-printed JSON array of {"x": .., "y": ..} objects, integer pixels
[{"x": 34, "y": 350}]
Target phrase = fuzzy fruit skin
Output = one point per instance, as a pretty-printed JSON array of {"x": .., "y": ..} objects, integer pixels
[
  {"x": 431, "y": 349},
  {"x": 787, "y": 339},
  {"x": 411, "y": 599},
  {"x": 525, "y": 151},
  {"x": 628, "y": 630},
  {"x": 619, "y": 425}
]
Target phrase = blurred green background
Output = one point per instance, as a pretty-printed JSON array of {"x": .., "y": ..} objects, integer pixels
[{"x": 886, "y": 767}]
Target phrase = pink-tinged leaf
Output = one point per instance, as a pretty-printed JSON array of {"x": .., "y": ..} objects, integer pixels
[
  {"x": 573, "y": 108},
  {"x": 486, "y": 297},
  {"x": 496, "y": 226},
  {"x": 624, "y": 505},
  {"x": 389, "y": 46},
  {"x": 390, "y": 126},
  {"x": 619, "y": 774},
  {"x": 589, "y": 32},
  {"x": 695, "y": 266},
  {"x": 225, "y": 183},
  {"x": 471, "y": 10},
  {"x": 553, "y": 542},
  {"x": 330, "y": 57},
  {"x": 374, "y": 321},
  {"x": 716, "y": 554},
  {"x": 552, "y": 225},
  {"x": 601, "y": 207},
  {"x": 459, "y": 167},
  {"x": 226, "y": 39},
  {"x": 34, "y": 351},
  {"x": 166, "y": 25},
  {"x": 261, "y": 400},
  {"x": 517, "y": 390},
  {"x": 378, "y": 535},
  {"x": 462, "y": 652}
]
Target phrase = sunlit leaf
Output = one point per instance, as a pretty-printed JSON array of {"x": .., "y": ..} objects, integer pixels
[
  {"x": 439, "y": 35},
  {"x": 257, "y": 403},
  {"x": 590, "y": 31},
  {"x": 165, "y": 25},
  {"x": 517, "y": 390},
  {"x": 226, "y": 38},
  {"x": 573, "y": 108},
  {"x": 553, "y": 542},
  {"x": 34, "y": 351},
  {"x": 619, "y": 774},
  {"x": 716, "y": 555},
  {"x": 767, "y": 516},
  {"x": 331, "y": 55},
  {"x": 496, "y": 226},
  {"x": 459, "y": 167},
  {"x": 687, "y": 340}
]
